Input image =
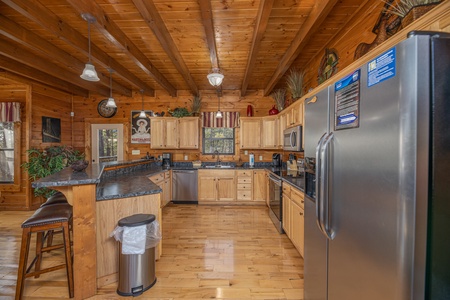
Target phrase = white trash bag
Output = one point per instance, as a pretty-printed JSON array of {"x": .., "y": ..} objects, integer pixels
[{"x": 138, "y": 238}]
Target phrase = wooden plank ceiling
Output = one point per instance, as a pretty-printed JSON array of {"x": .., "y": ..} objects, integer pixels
[{"x": 166, "y": 45}]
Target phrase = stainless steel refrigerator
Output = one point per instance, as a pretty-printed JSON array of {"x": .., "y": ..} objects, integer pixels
[{"x": 377, "y": 153}]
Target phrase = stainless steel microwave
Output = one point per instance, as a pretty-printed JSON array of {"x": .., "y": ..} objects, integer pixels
[{"x": 292, "y": 139}]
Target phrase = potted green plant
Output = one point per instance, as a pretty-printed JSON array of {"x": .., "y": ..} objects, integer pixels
[
  {"x": 44, "y": 162},
  {"x": 179, "y": 112},
  {"x": 294, "y": 83}
]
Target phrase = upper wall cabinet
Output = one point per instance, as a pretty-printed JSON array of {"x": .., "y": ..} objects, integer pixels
[
  {"x": 174, "y": 133},
  {"x": 293, "y": 115},
  {"x": 250, "y": 133}
]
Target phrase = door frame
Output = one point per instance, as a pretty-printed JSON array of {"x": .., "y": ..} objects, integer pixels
[{"x": 88, "y": 122}]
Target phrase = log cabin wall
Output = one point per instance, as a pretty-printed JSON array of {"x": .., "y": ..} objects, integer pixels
[{"x": 44, "y": 101}]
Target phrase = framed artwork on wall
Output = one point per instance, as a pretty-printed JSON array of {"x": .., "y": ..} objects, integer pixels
[
  {"x": 51, "y": 130},
  {"x": 140, "y": 127}
]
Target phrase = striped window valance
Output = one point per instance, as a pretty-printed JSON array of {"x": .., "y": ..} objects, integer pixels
[
  {"x": 9, "y": 112},
  {"x": 230, "y": 119}
]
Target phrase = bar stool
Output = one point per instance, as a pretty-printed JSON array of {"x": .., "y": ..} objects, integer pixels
[
  {"x": 52, "y": 217},
  {"x": 57, "y": 198}
]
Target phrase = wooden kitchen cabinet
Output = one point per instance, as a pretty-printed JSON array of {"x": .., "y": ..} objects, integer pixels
[
  {"x": 188, "y": 133},
  {"x": 216, "y": 185},
  {"x": 164, "y": 181},
  {"x": 294, "y": 114},
  {"x": 250, "y": 133},
  {"x": 297, "y": 220},
  {"x": 174, "y": 133},
  {"x": 269, "y": 132},
  {"x": 244, "y": 185},
  {"x": 260, "y": 184}
]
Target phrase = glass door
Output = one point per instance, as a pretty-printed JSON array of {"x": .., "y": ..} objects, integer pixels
[{"x": 107, "y": 142}]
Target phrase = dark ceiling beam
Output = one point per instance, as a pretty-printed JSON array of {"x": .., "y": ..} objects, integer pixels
[
  {"x": 32, "y": 41},
  {"x": 20, "y": 69},
  {"x": 318, "y": 14},
  {"x": 262, "y": 19},
  {"x": 207, "y": 19},
  {"x": 148, "y": 11},
  {"x": 39, "y": 14},
  {"x": 20, "y": 54},
  {"x": 116, "y": 36}
]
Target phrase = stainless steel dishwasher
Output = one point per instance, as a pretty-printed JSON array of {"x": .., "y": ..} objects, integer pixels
[{"x": 184, "y": 186}]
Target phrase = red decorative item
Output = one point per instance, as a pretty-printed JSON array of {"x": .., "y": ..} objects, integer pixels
[
  {"x": 273, "y": 111},
  {"x": 249, "y": 111}
]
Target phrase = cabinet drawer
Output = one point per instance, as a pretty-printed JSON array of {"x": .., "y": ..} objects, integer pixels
[
  {"x": 244, "y": 195},
  {"x": 287, "y": 189},
  {"x": 244, "y": 180},
  {"x": 298, "y": 197},
  {"x": 244, "y": 173},
  {"x": 244, "y": 186},
  {"x": 157, "y": 178}
]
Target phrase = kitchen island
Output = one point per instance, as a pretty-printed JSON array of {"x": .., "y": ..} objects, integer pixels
[{"x": 100, "y": 196}]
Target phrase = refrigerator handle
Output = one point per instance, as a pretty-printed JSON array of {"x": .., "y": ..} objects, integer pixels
[
  {"x": 318, "y": 184},
  {"x": 325, "y": 216}
]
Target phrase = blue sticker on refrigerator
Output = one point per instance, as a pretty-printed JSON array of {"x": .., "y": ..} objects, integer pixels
[
  {"x": 381, "y": 68},
  {"x": 346, "y": 101}
]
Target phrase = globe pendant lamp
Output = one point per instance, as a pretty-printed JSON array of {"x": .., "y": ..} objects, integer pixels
[
  {"x": 218, "y": 113},
  {"x": 89, "y": 72},
  {"x": 215, "y": 78},
  {"x": 142, "y": 114},
  {"x": 110, "y": 102}
]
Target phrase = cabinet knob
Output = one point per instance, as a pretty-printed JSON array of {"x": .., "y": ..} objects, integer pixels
[{"x": 301, "y": 214}]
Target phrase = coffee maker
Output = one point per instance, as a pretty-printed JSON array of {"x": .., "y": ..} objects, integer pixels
[
  {"x": 167, "y": 160},
  {"x": 276, "y": 160}
]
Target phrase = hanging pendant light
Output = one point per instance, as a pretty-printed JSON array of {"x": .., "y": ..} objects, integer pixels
[
  {"x": 215, "y": 78},
  {"x": 142, "y": 114},
  {"x": 89, "y": 72},
  {"x": 218, "y": 113},
  {"x": 110, "y": 102}
]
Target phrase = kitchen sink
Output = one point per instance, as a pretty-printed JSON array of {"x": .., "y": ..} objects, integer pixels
[{"x": 218, "y": 167}]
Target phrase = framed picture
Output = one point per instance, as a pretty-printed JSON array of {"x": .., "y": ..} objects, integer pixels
[
  {"x": 51, "y": 130},
  {"x": 140, "y": 127}
]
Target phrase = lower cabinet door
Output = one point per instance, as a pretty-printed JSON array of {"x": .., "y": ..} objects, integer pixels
[{"x": 297, "y": 227}]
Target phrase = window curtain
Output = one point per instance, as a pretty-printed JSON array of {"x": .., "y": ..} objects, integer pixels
[
  {"x": 229, "y": 119},
  {"x": 9, "y": 112}
]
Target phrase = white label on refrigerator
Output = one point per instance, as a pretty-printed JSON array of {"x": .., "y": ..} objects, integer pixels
[
  {"x": 346, "y": 101},
  {"x": 381, "y": 68}
]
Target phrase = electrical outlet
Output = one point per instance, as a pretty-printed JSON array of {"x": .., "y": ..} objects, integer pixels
[
  {"x": 260, "y": 157},
  {"x": 185, "y": 157},
  {"x": 72, "y": 114},
  {"x": 135, "y": 152},
  {"x": 246, "y": 152}
]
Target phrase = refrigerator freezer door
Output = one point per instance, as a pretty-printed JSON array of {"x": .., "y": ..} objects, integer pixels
[
  {"x": 372, "y": 190},
  {"x": 316, "y": 121}
]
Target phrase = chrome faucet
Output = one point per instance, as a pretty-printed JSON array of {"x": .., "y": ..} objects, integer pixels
[{"x": 217, "y": 153}]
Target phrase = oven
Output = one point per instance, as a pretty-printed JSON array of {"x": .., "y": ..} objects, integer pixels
[{"x": 276, "y": 201}]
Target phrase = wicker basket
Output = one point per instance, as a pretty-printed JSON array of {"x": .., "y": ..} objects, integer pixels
[{"x": 416, "y": 12}]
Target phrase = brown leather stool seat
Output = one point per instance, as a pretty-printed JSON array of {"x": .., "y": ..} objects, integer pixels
[
  {"x": 52, "y": 217},
  {"x": 57, "y": 198}
]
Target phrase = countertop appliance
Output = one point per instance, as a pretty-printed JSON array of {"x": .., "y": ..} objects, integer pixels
[
  {"x": 292, "y": 139},
  {"x": 184, "y": 186},
  {"x": 376, "y": 218},
  {"x": 276, "y": 160},
  {"x": 167, "y": 160},
  {"x": 276, "y": 201},
  {"x": 251, "y": 160}
]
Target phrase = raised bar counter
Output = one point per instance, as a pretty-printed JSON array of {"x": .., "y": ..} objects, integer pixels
[{"x": 100, "y": 196}]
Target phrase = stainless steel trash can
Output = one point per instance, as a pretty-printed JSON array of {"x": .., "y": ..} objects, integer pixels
[{"x": 136, "y": 271}]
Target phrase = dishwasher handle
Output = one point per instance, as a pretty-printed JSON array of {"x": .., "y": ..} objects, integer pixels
[{"x": 184, "y": 171}]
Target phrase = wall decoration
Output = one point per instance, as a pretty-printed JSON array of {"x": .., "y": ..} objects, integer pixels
[
  {"x": 328, "y": 65},
  {"x": 51, "y": 130},
  {"x": 140, "y": 127}
]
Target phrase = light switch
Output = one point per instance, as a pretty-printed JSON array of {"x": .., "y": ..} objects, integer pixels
[
  {"x": 260, "y": 157},
  {"x": 135, "y": 152},
  {"x": 246, "y": 152},
  {"x": 186, "y": 157}
]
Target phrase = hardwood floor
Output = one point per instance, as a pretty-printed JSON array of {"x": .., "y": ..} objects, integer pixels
[{"x": 209, "y": 252}]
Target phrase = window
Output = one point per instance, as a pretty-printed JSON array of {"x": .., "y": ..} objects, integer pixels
[
  {"x": 218, "y": 139},
  {"x": 9, "y": 158}
]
